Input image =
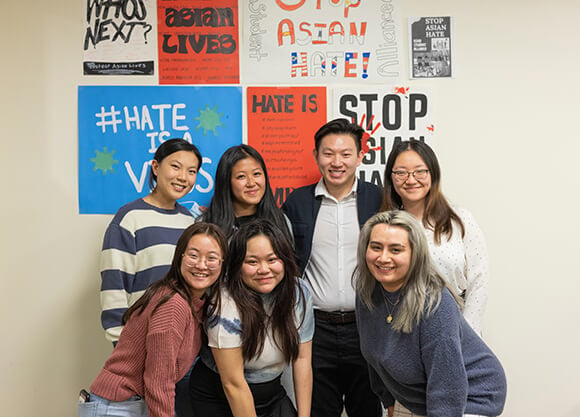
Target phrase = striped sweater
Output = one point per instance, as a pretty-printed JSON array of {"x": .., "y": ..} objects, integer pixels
[
  {"x": 137, "y": 250},
  {"x": 154, "y": 352}
]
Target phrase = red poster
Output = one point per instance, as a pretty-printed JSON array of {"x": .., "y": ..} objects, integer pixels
[
  {"x": 198, "y": 41},
  {"x": 281, "y": 126}
]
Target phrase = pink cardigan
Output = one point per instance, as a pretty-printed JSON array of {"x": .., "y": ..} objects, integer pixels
[{"x": 153, "y": 353}]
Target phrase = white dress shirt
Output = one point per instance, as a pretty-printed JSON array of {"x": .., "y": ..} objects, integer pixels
[{"x": 333, "y": 255}]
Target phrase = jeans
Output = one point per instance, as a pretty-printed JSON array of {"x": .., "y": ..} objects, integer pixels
[{"x": 101, "y": 407}]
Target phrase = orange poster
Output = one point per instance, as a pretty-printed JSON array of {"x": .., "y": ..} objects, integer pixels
[
  {"x": 281, "y": 126},
  {"x": 198, "y": 41}
]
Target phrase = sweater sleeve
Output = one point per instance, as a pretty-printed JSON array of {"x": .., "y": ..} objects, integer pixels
[
  {"x": 443, "y": 362},
  {"x": 477, "y": 272},
  {"x": 117, "y": 272},
  {"x": 164, "y": 337}
]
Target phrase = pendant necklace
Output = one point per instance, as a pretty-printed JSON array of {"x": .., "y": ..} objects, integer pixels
[{"x": 389, "y": 311}]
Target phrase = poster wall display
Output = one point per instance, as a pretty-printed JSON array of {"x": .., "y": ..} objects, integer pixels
[
  {"x": 119, "y": 37},
  {"x": 281, "y": 126},
  {"x": 388, "y": 115},
  {"x": 198, "y": 41},
  {"x": 431, "y": 47},
  {"x": 120, "y": 128},
  {"x": 320, "y": 41}
]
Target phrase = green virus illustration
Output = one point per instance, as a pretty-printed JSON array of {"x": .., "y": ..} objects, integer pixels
[
  {"x": 104, "y": 161},
  {"x": 209, "y": 119}
]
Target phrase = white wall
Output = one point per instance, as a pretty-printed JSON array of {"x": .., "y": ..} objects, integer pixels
[{"x": 507, "y": 141}]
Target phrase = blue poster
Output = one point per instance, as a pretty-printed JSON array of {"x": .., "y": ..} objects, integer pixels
[{"x": 120, "y": 129}]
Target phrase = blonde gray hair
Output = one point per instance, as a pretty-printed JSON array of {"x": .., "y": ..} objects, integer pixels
[{"x": 423, "y": 283}]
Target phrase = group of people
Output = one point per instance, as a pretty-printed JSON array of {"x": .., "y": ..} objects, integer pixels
[{"x": 348, "y": 297}]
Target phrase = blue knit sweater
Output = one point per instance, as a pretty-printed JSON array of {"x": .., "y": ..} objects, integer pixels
[{"x": 441, "y": 369}]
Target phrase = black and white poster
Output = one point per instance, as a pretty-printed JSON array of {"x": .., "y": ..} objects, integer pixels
[
  {"x": 431, "y": 47},
  {"x": 119, "y": 37}
]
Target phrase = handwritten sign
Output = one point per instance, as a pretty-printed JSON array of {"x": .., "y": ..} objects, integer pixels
[
  {"x": 117, "y": 37},
  {"x": 313, "y": 41},
  {"x": 120, "y": 129}
]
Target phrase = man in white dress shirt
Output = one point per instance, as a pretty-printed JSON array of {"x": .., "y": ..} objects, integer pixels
[{"x": 326, "y": 218}]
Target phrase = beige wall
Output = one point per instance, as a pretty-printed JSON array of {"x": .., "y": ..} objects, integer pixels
[{"x": 508, "y": 144}]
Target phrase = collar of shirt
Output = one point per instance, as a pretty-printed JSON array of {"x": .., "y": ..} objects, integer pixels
[{"x": 321, "y": 190}]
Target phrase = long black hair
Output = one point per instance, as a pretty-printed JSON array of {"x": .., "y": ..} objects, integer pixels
[
  {"x": 174, "y": 280},
  {"x": 221, "y": 207},
  {"x": 250, "y": 304}
]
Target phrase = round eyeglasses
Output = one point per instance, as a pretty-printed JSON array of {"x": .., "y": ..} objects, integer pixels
[
  {"x": 194, "y": 260},
  {"x": 402, "y": 175}
]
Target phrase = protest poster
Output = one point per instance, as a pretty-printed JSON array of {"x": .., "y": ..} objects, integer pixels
[
  {"x": 119, "y": 37},
  {"x": 388, "y": 115},
  {"x": 198, "y": 42},
  {"x": 320, "y": 41},
  {"x": 281, "y": 126},
  {"x": 431, "y": 47},
  {"x": 120, "y": 129}
]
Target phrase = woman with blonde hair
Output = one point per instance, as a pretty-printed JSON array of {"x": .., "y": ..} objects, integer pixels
[{"x": 424, "y": 358}]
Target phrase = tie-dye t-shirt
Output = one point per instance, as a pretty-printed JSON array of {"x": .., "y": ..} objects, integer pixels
[{"x": 227, "y": 333}]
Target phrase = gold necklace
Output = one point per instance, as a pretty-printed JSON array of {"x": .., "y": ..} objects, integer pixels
[{"x": 387, "y": 302}]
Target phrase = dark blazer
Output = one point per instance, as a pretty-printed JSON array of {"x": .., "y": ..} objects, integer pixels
[{"x": 302, "y": 208}]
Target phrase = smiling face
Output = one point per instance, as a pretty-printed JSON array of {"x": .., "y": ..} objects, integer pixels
[
  {"x": 262, "y": 270},
  {"x": 176, "y": 175},
  {"x": 411, "y": 191},
  {"x": 337, "y": 159},
  {"x": 201, "y": 263},
  {"x": 248, "y": 186},
  {"x": 388, "y": 255}
]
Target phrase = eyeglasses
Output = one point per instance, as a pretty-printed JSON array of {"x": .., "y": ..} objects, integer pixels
[
  {"x": 402, "y": 175},
  {"x": 211, "y": 262}
]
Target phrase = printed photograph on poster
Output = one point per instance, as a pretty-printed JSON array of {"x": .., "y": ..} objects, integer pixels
[
  {"x": 320, "y": 42},
  {"x": 198, "y": 41},
  {"x": 119, "y": 37},
  {"x": 431, "y": 47},
  {"x": 120, "y": 128},
  {"x": 281, "y": 126},
  {"x": 388, "y": 115}
]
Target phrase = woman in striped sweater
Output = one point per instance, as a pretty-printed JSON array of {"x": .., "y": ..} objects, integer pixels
[{"x": 140, "y": 240}]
